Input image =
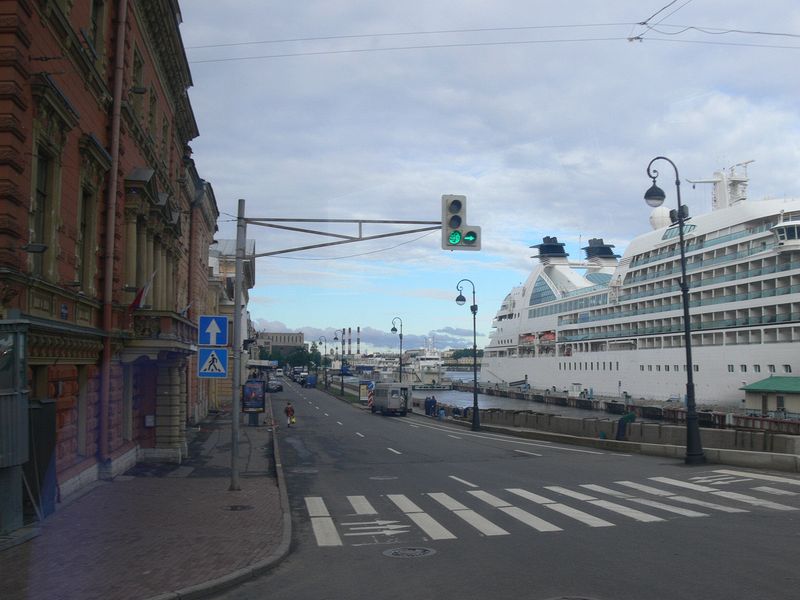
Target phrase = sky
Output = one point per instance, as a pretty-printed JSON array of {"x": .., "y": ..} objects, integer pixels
[{"x": 544, "y": 115}]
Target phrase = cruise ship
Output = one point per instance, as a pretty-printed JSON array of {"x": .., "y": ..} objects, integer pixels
[{"x": 613, "y": 326}]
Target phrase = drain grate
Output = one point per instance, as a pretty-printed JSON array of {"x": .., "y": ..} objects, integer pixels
[
  {"x": 409, "y": 552},
  {"x": 237, "y": 507}
]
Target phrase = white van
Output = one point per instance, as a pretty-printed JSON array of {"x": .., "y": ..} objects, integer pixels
[{"x": 278, "y": 372}]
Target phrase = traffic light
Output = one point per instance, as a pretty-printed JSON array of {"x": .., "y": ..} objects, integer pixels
[{"x": 456, "y": 233}]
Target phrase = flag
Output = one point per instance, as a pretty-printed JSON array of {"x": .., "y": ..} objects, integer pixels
[{"x": 141, "y": 295}]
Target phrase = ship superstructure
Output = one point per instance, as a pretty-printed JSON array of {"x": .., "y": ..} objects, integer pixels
[{"x": 613, "y": 326}]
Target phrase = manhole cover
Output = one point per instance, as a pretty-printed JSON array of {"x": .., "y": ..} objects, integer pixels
[
  {"x": 382, "y": 478},
  {"x": 409, "y": 552},
  {"x": 237, "y": 507}
]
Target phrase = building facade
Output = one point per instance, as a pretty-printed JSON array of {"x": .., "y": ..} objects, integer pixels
[{"x": 105, "y": 227}]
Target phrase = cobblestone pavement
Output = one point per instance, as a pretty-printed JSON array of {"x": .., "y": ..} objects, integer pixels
[{"x": 157, "y": 528}]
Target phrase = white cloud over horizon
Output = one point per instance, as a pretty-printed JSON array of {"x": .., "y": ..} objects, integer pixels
[{"x": 544, "y": 138}]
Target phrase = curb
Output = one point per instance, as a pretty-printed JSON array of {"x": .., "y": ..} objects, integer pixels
[{"x": 206, "y": 588}]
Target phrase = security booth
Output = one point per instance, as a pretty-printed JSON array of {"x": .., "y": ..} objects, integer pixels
[
  {"x": 776, "y": 397},
  {"x": 14, "y": 427}
]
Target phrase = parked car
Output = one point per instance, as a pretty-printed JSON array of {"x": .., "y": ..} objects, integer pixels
[{"x": 274, "y": 386}]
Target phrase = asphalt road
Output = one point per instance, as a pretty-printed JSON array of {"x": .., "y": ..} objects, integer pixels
[{"x": 409, "y": 507}]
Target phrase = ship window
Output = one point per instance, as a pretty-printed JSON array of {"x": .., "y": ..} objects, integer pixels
[
  {"x": 787, "y": 368},
  {"x": 696, "y": 368},
  {"x": 541, "y": 292},
  {"x": 649, "y": 367},
  {"x": 666, "y": 368},
  {"x": 730, "y": 368},
  {"x": 617, "y": 366},
  {"x": 658, "y": 368},
  {"x": 641, "y": 367},
  {"x": 757, "y": 368},
  {"x": 743, "y": 368},
  {"x": 791, "y": 233},
  {"x": 771, "y": 368}
]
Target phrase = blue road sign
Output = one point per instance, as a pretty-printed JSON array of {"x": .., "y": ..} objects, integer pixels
[
  {"x": 212, "y": 362},
  {"x": 212, "y": 330}
]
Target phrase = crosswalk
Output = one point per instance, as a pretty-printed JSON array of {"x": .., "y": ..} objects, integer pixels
[{"x": 549, "y": 509}]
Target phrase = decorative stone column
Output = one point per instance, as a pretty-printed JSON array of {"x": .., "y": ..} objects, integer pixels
[
  {"x": 169, "y": 438},
  {"x": 131, "y": 253},
  {"x": 142, "y": 274}
]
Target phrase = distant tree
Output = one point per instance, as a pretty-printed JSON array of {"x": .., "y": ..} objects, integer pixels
[
  {"x": 263, "y": 354},
  {"x": 466, "y": 352}
]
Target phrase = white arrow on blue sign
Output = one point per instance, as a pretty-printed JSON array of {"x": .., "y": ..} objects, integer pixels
[{"x": 212, "y": 330}]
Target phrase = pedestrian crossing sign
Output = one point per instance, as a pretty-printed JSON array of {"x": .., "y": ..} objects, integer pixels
[{"x": 212, "y": 362}]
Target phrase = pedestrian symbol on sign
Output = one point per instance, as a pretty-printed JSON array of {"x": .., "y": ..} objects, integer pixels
[{"x": 212, "y": 362}]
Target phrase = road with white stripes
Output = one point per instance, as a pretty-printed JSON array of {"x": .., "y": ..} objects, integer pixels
[{"x": 411, "y": 507}]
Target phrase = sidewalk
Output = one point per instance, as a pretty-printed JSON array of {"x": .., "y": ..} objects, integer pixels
[{"x": 160, "y": 529}]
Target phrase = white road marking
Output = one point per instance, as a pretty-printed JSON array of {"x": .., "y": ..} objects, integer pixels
[
  {"x": 482, "y": 524},
  {"x": 604, "y": 490},
  {"x": 626, "y": 511},
  {"x": 560, "y": 490},
  {"x": 753, "y": 500},
  {"x": 361, "y": 505},
  {"x": 530, "y": 496},
  {"x": 316, "y": 507},
  {"x": 325, "y": 531},
  {"x": 455, "y": 437},
  {"x": 515, "y": 512},
  {"x": 683, "y": 484},
  {"x": 393, "y": 450},
  {"x": 327, "y": 415},
  {"x": 323, "y": 526},
  {"x": 773, "y": 478},
  {"x": 774, "y": 491},
  {"x": 424, "y": 521},
  {"x": 528, "y": 453},
  {"x": 673, "y": 509},
  {"x": 711, "y": 505},
  {"x": 579, "y": 515},
  {"x": 645, "y": 488},
  {"x": 467, "y": 483},
  {"x": 359, "y": 434},
  {"x": 568, "y": 511}
]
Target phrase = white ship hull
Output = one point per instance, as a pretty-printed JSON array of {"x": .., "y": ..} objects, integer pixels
[{"x": 616, "y": 327}]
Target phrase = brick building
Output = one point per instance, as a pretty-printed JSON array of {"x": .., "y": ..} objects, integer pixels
[{"x": 105, "y": 227}]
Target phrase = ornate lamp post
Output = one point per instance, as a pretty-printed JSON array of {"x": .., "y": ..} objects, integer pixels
[
  {"x": 322, "y": 339},
  {"x": 655, "y": 197},
  {"x": 394, "y": 330},
  {"x": 460, "y": 300},
  {"x": 341, "y": 369}
]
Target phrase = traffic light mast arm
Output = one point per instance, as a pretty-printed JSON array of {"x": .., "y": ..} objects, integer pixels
[{"x": 344, "y": 239}]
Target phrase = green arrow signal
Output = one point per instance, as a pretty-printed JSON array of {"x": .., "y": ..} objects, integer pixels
[{"x": 470, "y": 237}]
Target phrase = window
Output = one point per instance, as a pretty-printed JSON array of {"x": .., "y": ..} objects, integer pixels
[
  {"x": 757, "y": 368},
  {"x": 780, "y": 403},
  {"x": 771, "y": 368},
  {"x": 666, "y": 368},
  {"x": 730, "y": 368},
  {"x": 138, "y": 80},
  {"x": 41, "y": 208},
  {"x": 743, "y": 368},
  {"x": 641, "y": 367},
  {"x": 787, "y": 368},
  {"x": 696, "y": 368},
  {"x": 658, "y": 368},
  {"x": 649, "y": 367},
  {"x": 96, "y": 24}
]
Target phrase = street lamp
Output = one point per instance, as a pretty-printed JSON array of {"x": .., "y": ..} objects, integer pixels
[
  {"x": 655, "y": 197},
  {"x": 460, "y": 300},
  {"x": 324, "y": 341},
  {"x": 341, "y": 368},
  {"x": 394, "y": 330}
]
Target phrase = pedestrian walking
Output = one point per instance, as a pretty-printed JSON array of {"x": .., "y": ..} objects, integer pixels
[{"x": 289, "y": 412}]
